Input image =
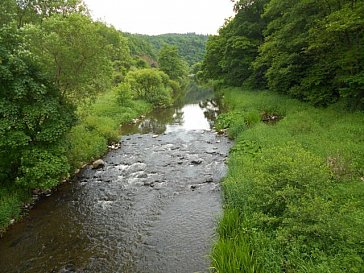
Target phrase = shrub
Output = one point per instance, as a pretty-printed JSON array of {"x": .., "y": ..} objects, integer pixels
[
  {"x": 150, "y": 84},
  {"x": 42, "y": 167},
  {"x": 124, "y": 94}
]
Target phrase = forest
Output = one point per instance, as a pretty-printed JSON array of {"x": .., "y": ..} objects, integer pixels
[
  {"x": 291, "y": 74},
  {"x": 191, "y": 46},
  {"x": 310, "y": 50},
  {"x": 67, "y": 82}
]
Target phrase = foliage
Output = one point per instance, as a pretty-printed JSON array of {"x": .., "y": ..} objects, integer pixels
[
  {"x": 124, "y": 93},
  {"x": 42, "y": 167},
  {"x": 310, "y": 50},
  {"x": 149, "y": 84},
  {"x": 99, "y": 125},
  {"x": 34, "y": 117},
  {"x": 117, "y": 50},
  {"x": 214, "y": 54},
  {"x": 35, "y": 11},
  {"x": 172, "y": 64},
  {"x": 230, "y": 54},
  {"x": 294, "y": 190},
  {"x": 74, "y": 54},
  {"x": 191, "y": 46},
  {"x": 7, "y": 11}
]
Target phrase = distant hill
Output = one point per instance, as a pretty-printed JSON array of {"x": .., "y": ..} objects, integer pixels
[{"x": 191, "y": 46}]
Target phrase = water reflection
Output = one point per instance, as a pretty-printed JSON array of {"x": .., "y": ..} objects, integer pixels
[{"x": 196, "y": 111}]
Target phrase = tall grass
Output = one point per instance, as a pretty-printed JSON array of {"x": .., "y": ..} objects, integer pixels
[
  {"x": 99, "y": 125},
  {"x": 296, "y": 187}
]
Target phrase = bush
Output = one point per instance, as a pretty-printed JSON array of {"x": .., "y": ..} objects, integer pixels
[
  {"x": 124, "y": 94},
  {"x": 150, "y": 84},
  {"x": 42, "y": 167}
]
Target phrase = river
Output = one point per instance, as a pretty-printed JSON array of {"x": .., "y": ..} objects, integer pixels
[{"x": 152, "y": 208}]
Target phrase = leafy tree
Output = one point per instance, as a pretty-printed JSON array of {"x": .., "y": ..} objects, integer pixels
[
  {"x": 7, "y": 11},
  {"x": 311, "y": 50},
  {"x": 337, "y": 44},
  {"x": 230, "y": 55},
  {"x": 214, "y": 54},
  {"x": 33, "y": 119},
  {"x": 74, "y": 54},
  {"x": 150, "y": 84},
  {"x": 172, "y": 64},
  {"x": 191, "y": 46},
  {"x": 117, "y": 49},
  {"x": 34, "y": 11}
]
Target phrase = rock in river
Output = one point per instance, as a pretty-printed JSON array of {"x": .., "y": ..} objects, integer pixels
[{"x": 98, "y": 164}]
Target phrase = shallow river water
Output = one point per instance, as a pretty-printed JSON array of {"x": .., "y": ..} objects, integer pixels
[{"x": 151, "y": 209}]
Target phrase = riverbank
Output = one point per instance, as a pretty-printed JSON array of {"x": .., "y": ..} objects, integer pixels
[
  {"x": 98, "y": 126},
  {"x": 295, "y": 187},
  {"x": 152, "y": 207}
]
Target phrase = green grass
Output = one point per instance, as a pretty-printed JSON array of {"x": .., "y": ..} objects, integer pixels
[
  {"x": 11, "y": 201},
  {"x": 99, "y": 125},
  {"x": 294, "y": 194}
]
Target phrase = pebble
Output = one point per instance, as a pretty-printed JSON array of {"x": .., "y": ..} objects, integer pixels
[{"x": 196, "y": 161}]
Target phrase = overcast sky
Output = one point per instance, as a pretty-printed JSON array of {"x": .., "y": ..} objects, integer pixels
[{"x": 163, "y": 16}]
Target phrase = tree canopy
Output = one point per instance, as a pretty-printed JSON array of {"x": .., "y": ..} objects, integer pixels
[
  {"x": 311, "y": 50},
  {"x": 34, "y": 118},
  {"x": 172, "y": 64},
  {"x": 190, "y": 46}
]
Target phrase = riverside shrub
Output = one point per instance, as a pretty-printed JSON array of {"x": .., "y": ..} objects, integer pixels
[{"x": 149, "y": 84}]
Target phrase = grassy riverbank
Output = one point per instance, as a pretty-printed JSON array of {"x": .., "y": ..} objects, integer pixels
[
  {"x": 97, "y": 127},
  {"x": 294, "y": 194}
]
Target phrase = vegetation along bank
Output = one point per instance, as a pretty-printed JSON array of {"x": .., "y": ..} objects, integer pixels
[
  {"x": 67, "y": 82},
  {"x": 295, "y": 188}
]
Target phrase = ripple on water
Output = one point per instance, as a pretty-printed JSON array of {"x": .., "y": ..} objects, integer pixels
[{"x": 150, "y": 209}]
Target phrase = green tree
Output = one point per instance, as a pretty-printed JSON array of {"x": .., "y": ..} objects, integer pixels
[
  {"x": 150, "y": 84},
  {"x": 8, "y": 10},
  {"x": 214, "y": 54},
  {"x": 117, "y": 49},
  {"x": 73, "y": 54},
  {"x": 313, "y": 50},
  {"x": 230, "y": 54},
  {"x": 172, "y": 64},
  {"x": 33, "y": 119},
  {"x": 34, "y": 11}
]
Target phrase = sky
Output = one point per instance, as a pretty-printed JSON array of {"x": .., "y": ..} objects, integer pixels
[{"x": 162, "y": 16}]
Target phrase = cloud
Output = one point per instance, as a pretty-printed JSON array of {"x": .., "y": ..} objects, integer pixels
[{"x": 162, "y": 16}]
